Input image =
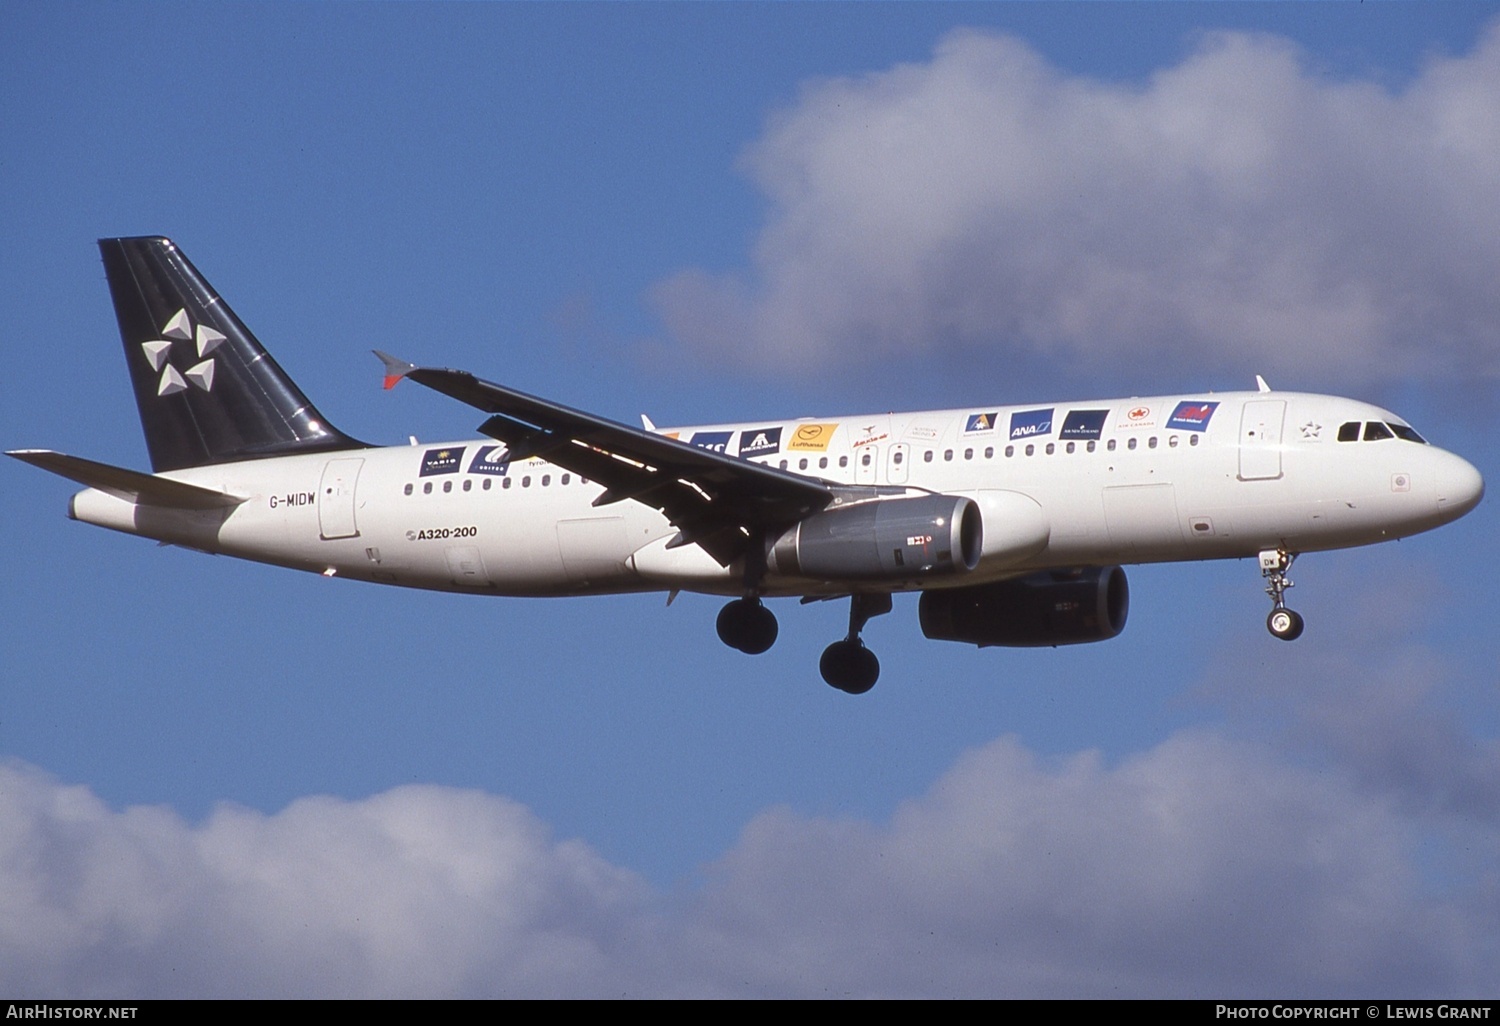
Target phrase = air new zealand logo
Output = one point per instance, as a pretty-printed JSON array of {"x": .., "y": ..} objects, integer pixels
[{"x": 181, "y": 329}]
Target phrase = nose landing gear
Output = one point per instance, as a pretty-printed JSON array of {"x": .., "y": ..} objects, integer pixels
[
  {"x": 847, "y": 664},
  {"x": 1283, "y": 623}
]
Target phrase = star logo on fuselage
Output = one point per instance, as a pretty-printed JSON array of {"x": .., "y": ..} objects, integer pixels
[
  {"x": 1311, "y": 429},
  {"x": 180, "y": 328}
]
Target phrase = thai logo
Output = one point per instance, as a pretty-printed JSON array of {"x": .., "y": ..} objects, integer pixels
[{"x": 180, "y": 328}]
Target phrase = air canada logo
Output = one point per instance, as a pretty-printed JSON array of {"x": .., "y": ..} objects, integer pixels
[{"x": 180, "y": 328}]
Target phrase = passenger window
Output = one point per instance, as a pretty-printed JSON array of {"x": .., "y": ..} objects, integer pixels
[
  {"x": 546, "y": 480},
  {"x": 1110, "y": 445},
  {"x": 407, "y": 490},
  {"x": 783, "y": 464},
  {"x": 989, "y": 452},
  {"x": 468, "y": 484},
  {"x": 1192, "y": 440},
  {"x": 802, "y": 463},
  {"x": 1131, "y": 444},
  {"x": 1051, "y": 448},
  {"x": 526, "y": 481},
  {"x": 864, "y": 461},
  {"x": 823, "y": 462},
  {"x": 927, "y": 456},
  {"x": 486, "y": 485},
  {"x": 1376, "y": 431},
  {"x": 1349, "y": 432},
  {"x": 1010, "y": 450},
  {"x": 1151, "y": 442},
  {"x": 1072, "y": 447},
  {"x": 1172, "y": 442},
  {"x": 896, "y": 458},
  {"x": 947, "y": 455},
  {"x": 565, "y": 479},
  {"x": 447, "y": 486},
  {"x": 843, "y": 461},
  {"x": 505, "y": 482},
  {"x": 426, "y": 487},
  {"x": 1031, "y": 450},
  {"x": 1090, "y": 446},
  {"x": 968, "y": 454}
]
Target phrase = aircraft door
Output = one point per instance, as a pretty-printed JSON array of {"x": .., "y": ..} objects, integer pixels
[
  {"x": 897, "y": 457},
  {"x": 1260, "y": 439},
  {"x": 336, "y": 499}
]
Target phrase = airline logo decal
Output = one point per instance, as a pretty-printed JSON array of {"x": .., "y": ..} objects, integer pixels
[
  {"x": 1031, "y": 423},
  {"x": 180, "y": 328},
  {"x": 763, "y": 442},
  {"x": 1136, "y": 417},
  {"x": 811, "y": 437},
  {"x": 870, "y": 435},
  {"x": 441, "y": 461},
  {"x": 488, "y": 459},
  {"x": 980, "y": 422},
  {"x": 1083, "y": 425},
  {"x": 714, "y": 441},
  {"x": 1191, "y": 416}
]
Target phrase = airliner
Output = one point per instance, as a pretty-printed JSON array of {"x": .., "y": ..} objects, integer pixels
[{"x": 1012, "y": 522}]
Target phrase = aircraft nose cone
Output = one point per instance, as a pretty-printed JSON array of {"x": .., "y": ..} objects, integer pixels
[{"x": 1460, "y": 487}]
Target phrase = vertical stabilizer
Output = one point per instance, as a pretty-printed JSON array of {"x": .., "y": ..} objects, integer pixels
[{"x": 207, "y": 391}]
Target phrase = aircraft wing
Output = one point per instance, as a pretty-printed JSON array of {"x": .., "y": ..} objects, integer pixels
[{"x": 716, "y": 501}]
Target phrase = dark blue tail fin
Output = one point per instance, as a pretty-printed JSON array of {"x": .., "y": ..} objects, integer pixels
[{"x": 206, "y": 389}]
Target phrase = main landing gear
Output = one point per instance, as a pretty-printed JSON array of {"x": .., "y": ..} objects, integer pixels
[
  {"x": 1283, "y": 623},
  {"x": 848, "y": 665},
  {"x": 746, "y": 624}
]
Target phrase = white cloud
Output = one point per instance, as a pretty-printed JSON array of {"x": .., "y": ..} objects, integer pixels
[
  {"x": 1202, "y": 867},
  {"x": 1241, "y": 209}
]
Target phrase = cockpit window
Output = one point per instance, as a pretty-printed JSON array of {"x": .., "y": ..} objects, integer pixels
[
  {"x": 1405, "y": 433},
  {"x": 1349, "y": 432},
  {"x": 1374, "y": 431}
]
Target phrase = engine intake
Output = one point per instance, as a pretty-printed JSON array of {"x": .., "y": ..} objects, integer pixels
[
  {"x": 887, "y": 539},
  {"x": 1055, "y": 607}
]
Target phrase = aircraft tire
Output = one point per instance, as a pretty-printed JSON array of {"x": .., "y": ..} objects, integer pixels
[
  {"x": 1285, "y": 624},
  {"x": 850, "y": 667},
  {"x": 747, "y": 625}
]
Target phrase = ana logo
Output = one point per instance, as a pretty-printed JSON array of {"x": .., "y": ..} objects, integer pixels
[
  {"x": 1031, "y": 423},
  {"x": 180, "y": 329}
]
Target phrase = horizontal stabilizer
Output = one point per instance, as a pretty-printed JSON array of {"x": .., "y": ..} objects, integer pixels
[{"x": 130, "y": 485}]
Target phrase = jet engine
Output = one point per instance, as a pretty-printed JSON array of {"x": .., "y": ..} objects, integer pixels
[
  {"x": 889, "y": 539},
  {"x": 1055, "y": 607}
]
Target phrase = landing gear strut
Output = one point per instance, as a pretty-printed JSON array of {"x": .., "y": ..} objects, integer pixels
[
  {"x": 1283, "y": 623},
  {"x": 848, "y": 665},
  {"x": 745, "y": 623}
]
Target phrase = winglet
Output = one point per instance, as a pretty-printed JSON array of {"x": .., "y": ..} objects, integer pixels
[
  {"x": 395, "y": 369},
  {"x": 1260, "y": 384}
]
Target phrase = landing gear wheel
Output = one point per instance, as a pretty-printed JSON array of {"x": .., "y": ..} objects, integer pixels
[
  {"x": 849, "y": 666},
  {"x": 1285, "y": 624},
  {"x": 747, "y": 625}
]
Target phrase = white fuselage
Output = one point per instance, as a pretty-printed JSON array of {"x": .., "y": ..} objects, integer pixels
[{"x": 1060, "y": 485}]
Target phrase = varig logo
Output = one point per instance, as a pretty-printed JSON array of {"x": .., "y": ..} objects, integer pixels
[{"x": 180, "y": 329}]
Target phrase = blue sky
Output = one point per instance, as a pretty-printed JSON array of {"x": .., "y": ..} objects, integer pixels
[{"x": 222, "y": 779}]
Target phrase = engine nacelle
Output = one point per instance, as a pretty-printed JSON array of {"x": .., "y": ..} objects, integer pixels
[
  {"x": 887, "y": 539},
  {"x": 1055, "y": 607}
]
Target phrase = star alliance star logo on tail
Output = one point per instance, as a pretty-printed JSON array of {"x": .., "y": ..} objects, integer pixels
[{"x": 180, "y": 329}]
